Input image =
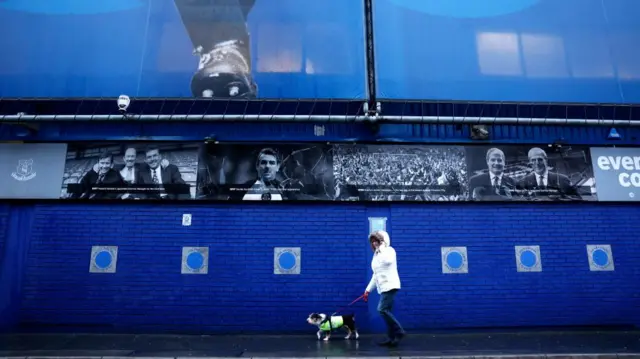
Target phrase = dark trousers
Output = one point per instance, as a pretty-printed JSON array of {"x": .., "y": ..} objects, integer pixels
[
  {"x": 384, "y": 308},
  {"x": 209, "y": 22}
]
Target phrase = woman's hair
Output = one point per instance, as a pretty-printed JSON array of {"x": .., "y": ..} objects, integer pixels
[{"x": 376, "y": 236}]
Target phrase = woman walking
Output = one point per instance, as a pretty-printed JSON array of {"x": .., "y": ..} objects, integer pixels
[{"x": 387, "y": 281}]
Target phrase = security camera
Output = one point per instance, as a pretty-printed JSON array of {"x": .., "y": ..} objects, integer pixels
[
  {"x": 479, "y": 132},
  {"x": 123, "y": 103}
]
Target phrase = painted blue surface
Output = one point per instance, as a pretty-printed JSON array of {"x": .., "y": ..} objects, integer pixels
[
  {"x": 508, "y": 50},
  {"x": 15, "y": 233},
  {"x": 57, "y": 287},
  {"x": 454, "y": 260},
  {"x": 305, "y": 132},
  {"x": 6, "y": 301},
  {"x": 466, "y": 8},
  {"x": 195, "y": 260},
  {"x": 300, "y": 49},
  {"x": 103, "y": 259},
  {"x": 287, "y": 260},
  {"x": 528, "y": 258},
  {"x": 58, "y": 7},
  {"x": 600, "y": 257}
]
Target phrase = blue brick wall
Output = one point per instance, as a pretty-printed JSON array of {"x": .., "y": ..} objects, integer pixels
[
  {"x": 240, "y": 293},
  {"x": 493, "y": 293},
  {"x": 148, "y": 293},
  {"x": 4, "y": 220}
]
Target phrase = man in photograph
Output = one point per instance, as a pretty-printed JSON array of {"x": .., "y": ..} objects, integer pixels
[
  {"x": 103, "y": 183},
  {"x": 168, "y": 178},
  {"x": 129, "y": 170},
  {"x": 220, "y": 38},
  {"x": 494, "y": 184},
  {"x": 267, "y": 187},
  {"x": 542, "y": 180}
]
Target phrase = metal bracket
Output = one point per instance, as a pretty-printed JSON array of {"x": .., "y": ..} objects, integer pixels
[{"x": 371, "y": 114}]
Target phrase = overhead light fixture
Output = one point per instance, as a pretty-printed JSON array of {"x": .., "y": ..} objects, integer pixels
[{"x": 613, "y": 134}]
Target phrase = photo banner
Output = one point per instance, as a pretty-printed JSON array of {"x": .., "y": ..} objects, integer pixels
[
  {"x": 400, "y": 173},
  {"x": 617, "y": 172},
  {"x": 238, "y": 49},
  {"x": 532, "y": 51},
  {"x": 130, "y": 171},
  {"x": 530, "y": 173},
  {"x": 319, "y": 172},
  {"x": 269, "y": 172}
]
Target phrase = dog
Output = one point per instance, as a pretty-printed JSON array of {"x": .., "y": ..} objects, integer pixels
[{"x": 337, "y": 321}]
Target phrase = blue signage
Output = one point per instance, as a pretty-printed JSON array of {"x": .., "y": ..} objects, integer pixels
[
  {"x": 508, "y": 50},
  {"x": 239, "y": 49}
]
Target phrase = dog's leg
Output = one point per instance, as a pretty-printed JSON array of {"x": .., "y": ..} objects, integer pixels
[
  {"x": 348, "y": 332},
  {"x": 357, "y": 335},
  {"x": 319, "y": 334},
  {"x": 327, "y": 336}
]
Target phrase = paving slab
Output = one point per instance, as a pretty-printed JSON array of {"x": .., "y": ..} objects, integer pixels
[{"x": 477, "y": 345}]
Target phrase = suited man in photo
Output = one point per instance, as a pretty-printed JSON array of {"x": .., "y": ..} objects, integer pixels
[
  {"x": 96, "y": 184},
  {"x": 494, "y": 184},
  {"x": 155, "y": 175},
  {"x": 267, "y": 187},
  {"x": 542, "y": 179},
  {"x": 129, "y": 170}
]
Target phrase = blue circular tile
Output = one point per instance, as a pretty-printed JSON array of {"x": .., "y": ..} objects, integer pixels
[
  {"x": 455, "y": 260},
  {"x": 600, "y": 257},
  {"x": 103, "y": 259},
  {"x": 287, "y": 260},
  {"x": 195, "y": 260},
  {"x": 528, "y": 258}
]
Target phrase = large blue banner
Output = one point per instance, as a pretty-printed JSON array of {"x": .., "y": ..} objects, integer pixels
[
  {"x": 183, "y": 48},
  {"x": 508, "y": 50}
]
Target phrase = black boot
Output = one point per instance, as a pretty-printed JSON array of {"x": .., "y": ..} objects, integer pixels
[
  {"x": 396, "y": 339},
  {"x": 224, "y": 72}
]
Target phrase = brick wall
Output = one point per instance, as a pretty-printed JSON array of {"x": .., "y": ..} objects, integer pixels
[
  {"x": 148, "y": 293},
  {"x": 4, "y": 218},
  {"x": 493, "y": 293},
  {"x": 240, "y": 293}
]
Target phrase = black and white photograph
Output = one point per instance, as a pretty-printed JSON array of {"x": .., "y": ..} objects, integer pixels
[
  {"x": 400, "y": 173},
  {"x": 268, "y": 172},
  {"x": 530, "y": 173},
  {"x": 131, "y": 171}
]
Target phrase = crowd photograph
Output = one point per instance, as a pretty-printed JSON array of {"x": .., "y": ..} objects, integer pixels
[{"x": 400, "y": 172}]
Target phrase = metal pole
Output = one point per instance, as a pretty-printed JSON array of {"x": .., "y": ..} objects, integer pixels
[
  {"x": 505, "y": 121},
  {"x": 370, "y": 56},
  {"x": 329, "y": 118},
  {"x": 210, "y": 118}
]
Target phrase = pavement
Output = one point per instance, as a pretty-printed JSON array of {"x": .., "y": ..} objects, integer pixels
[{"x": 509, "y": 344}]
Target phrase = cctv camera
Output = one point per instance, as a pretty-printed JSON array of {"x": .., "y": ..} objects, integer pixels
[
  {"x": 479, "y": 132},
  {"x": 123, "y": 103}
]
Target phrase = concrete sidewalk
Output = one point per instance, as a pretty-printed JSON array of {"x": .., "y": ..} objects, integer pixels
[{"x": 541, "y": 344}]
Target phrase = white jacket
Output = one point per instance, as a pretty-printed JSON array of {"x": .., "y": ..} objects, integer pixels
[{"x": 385, "y": 268}]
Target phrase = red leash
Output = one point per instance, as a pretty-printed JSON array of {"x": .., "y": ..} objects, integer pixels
[{"x": 346, "y": 306}]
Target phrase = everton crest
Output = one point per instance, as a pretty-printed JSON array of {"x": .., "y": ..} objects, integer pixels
[{"x": 24, "y": 171}]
